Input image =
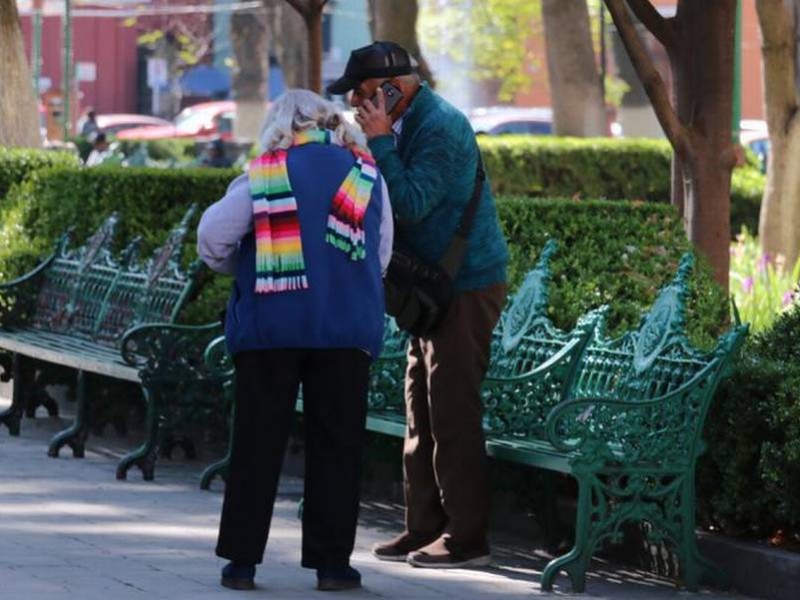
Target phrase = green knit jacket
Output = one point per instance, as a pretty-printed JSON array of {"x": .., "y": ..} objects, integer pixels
[{"x": 430, "y": 173}]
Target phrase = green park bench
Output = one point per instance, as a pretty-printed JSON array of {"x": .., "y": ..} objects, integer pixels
[
  {"x": 530, "y": 365},
  {"x": 74, "y": 310},
  {"x": 623, "y": 416},
  {"x": 629, "y": 429}
]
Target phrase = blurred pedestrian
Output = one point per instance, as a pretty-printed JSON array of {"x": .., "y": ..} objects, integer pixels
[{"x": 89, "y": 129}]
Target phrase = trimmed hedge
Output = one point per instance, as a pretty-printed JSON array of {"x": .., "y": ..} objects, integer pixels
[
  {"x": 614, "y": 169},
  {"x": 749, "y": 479},
  {"x": 149, "y": 201},
  {"x": 647, "y": 242},
  {"x": 17, "y": 163}
]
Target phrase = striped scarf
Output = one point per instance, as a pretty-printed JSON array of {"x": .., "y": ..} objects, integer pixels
[{"x": 279, "y": 250}]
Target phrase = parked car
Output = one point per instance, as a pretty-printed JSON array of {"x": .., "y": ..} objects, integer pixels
[
  {"x": 204, "y": 120},
  {"x": 502, "y": 120},
  {"x": 114, "y": 123},
  {"x": 753, "y": 134}
]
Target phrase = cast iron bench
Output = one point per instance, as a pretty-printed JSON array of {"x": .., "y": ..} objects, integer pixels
[
  {"x": 531, "y": 363},
  {"x": 624, "y": 417},
  {"x": 74, "y": 309},
  {"x": 630, "y": 431}
]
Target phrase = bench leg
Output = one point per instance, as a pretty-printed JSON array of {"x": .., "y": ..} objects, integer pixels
[
  {"x": 145, "y": 456},
  {"x": 12, "y": 416},
  {"x": 76, "y": 435},
  {"x": 576, "y": 560},
  {"x": 221, "y": 466}
]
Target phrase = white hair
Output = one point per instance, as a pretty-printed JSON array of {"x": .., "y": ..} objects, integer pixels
[{"x": 299, "y": 110}]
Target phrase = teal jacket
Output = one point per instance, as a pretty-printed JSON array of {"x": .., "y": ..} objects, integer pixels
[{"x": 430, "y": 175}]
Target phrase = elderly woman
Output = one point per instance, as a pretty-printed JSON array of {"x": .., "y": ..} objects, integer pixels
[{"x": 307, "y": 234}]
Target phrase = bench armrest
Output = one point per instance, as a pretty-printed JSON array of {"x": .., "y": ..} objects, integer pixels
[
  {"x": 660, "y": 431},
  {"x": 218, "y": 362},
  {"x": 167, "y": 351}
]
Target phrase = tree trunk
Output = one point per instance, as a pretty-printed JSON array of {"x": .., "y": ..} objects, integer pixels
[
  {"x": 396, "y": 21},
  {"x": 249, "y": 41},
  {"x": 699, "y": 41},
  {"x": 575, "y": 86},
  {"x": 779, "y": 225},
  {"x": 314, "y": 26},
  {"x": 311, "y": 12},
  {"x": 703, "y": 87},
  {"x": 287, "y": 34},
  {"x": 19, "y": 116}
]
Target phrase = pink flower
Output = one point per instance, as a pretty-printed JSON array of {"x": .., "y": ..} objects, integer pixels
[
  {"x": 788, "y": 298},
  {"x": 764, "y": 261},
  {"x": 747, "y": 285}
]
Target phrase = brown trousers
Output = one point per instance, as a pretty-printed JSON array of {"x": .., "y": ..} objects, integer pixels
[{"x": 444, "y": 459}]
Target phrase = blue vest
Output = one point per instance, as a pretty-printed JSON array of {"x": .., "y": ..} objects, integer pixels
[{"x": 343, "y": 306}]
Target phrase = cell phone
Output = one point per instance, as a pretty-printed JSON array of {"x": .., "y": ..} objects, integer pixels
[{"x": 391, "y": 96}]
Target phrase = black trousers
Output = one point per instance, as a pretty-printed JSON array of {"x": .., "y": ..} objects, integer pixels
[{"x": 335, "y": 386}]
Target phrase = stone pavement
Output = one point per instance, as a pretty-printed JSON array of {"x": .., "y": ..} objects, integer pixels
[{"x": 68, "y": 529}]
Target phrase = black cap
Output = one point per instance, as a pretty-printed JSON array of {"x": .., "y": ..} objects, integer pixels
[{"x": 379, "y": 59}]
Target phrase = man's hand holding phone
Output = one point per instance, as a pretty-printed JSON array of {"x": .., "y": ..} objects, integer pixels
[{"x": 372, "y": 117}]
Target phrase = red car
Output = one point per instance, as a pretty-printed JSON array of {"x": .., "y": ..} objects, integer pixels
[{"x": 208, "y": 119}]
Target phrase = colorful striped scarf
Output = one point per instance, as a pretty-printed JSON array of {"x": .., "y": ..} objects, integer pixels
[{"x": 279, "y": 250}]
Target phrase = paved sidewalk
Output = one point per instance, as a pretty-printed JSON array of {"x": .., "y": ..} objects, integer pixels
[{"x": 68, "y": 529}]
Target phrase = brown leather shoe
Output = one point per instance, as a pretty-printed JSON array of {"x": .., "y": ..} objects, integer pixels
[
  {"x": 444, "y": 553},
  {"x": 397, "y": 549}
]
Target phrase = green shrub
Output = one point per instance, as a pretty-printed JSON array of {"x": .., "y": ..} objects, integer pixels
[
  {"x": 614, "y": 169},
  {"x": 748, "y": 481},
  {"x": 616, "y": 253},
  {"x": 747, "y": 188},
  {"x": 592, "y": 268},
  {"x": 178, "y": 151},
  {"x": 16, "y": 164},
  {"x": 150, "y": 202}
]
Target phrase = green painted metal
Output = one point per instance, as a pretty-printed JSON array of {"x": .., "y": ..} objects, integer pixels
[
  {"x": 631, "y": 424},
  {"x": 75, "y": 307},
  {"x": 623, "y": 416}
]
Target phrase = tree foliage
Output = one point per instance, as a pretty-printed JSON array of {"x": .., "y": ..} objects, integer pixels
[{"x": 490, "y": 37}]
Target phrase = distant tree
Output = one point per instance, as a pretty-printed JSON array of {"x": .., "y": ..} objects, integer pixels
[
  {"x": 19, "y": 117},
  {"x": 490, "y": 38},
  {"x": 575, "y": 83},
  {"x": 250, "y": 80},
  {"x": 311, "y": 11},
  {"x": 699, "y": 43},
  {"x": 287, "y": 33},
  {"x": 779, "y": 227},
  {"x": 396, "y": 21}
]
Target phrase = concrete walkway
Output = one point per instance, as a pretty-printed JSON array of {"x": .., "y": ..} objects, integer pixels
[{"x": 68, "y": 529}]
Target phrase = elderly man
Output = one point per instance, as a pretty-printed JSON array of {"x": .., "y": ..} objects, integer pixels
[{"x": 426, "y": 150}]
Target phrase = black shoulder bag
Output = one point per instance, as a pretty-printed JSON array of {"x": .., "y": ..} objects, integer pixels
[{"x": 418, "y": 294}]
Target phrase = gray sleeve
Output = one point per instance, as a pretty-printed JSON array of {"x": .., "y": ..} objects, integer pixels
[
  {"x": 223, "y": 225},
  {"x": 387, "y": 228}
]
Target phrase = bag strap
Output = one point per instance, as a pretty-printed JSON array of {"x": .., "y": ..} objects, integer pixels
[{"x": 454, "y": 254}]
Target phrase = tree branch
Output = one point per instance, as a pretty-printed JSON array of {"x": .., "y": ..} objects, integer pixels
[
  {"x": 653, "y": 84},
  {"x": 660, "y": 27}
]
